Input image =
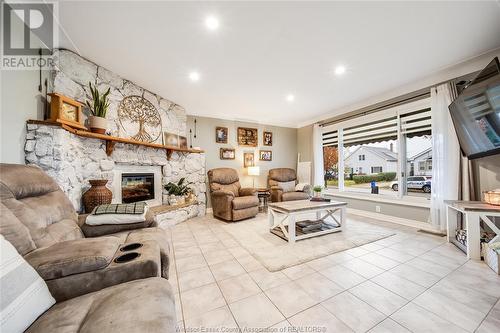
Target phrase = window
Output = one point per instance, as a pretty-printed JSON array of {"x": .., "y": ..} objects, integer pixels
[
  {"x": 417, "y": 138},
  {"x": 370, "y": 148},
  {"x": 390, "y": 146},
  {"x": 330, "y": 159}
]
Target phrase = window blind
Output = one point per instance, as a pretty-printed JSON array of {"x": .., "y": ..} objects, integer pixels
[
  {"x": 381, "y": 130},
  {"x": 330, "y": 138},
  {"x": 416, "y": 123},
  {"x": 415, "y": 120}
]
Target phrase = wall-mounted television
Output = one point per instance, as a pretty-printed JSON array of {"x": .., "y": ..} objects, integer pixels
[{"x": 476, "y": 113}]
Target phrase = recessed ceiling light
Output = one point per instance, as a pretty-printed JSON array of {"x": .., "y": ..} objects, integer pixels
[
  {"x": 290, "y": 98},
  {"x": 194, "y": 76},
  {"x": 212, "y": 23},
  {"x": 339, "y": 70}
]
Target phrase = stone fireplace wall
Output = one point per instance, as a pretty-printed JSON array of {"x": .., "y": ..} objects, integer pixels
[
  {"x": 72, "y": 74},
  {"x": 72, "y": 160}
]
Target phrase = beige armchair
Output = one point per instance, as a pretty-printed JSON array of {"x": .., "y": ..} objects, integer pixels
[
  {"x": 230, "y": 202},
  {"x": 281, "y": 183}
]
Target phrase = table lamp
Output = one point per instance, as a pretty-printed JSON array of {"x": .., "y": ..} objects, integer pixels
[{"x": 253, "y": 171}]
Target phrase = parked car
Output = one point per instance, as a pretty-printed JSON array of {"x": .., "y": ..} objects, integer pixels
[{"x": 415, "y": 183}]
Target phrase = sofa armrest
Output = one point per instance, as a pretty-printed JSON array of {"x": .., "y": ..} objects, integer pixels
[
  {"x": 247, "y": 191},
  {"x": 108, "y": 229},
  {"x": 73, "y": 257},
  {"x": 276, "y": 193}
]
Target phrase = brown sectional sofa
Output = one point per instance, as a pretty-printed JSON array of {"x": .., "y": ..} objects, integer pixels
[
  {"x": 230, "y": 202},
  {"x": 281, "y": 175},
  {"x": 145, "y": 305},
  {"x": 94, "y": 289},
  {"x": 41, "y": 223}
]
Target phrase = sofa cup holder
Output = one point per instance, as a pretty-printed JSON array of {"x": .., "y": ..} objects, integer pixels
[
  {"x": 127, "y": 257},
  {"x": 130, "y": 247}
]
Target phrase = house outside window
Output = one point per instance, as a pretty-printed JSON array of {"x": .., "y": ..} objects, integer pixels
[{"x": 387, "y": 146}]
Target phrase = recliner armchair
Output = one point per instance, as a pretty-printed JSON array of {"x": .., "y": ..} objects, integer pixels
[
  {"x": 276, "y": 181},
  {"x": 41, "y": 223},
  {"x": 230, "y": 202}
]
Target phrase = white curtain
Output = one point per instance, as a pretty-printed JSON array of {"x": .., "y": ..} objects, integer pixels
[
  {"x": 445, "y": 155},
  {"x": 318, "y": 174}
]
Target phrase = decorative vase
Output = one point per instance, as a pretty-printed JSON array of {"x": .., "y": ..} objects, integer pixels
[
  {"x": 98, "y": 124},
  {"x": 317, "y": 194},
  {"x": 97, "y": 194}
]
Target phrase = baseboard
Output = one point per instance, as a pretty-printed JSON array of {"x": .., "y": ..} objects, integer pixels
[{"x": 393, "y": 219}]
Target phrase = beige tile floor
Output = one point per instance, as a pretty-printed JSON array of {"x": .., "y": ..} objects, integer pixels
[{"x": 409, "y": 282}]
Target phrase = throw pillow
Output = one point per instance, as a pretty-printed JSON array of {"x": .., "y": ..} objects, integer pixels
[
  {"x": 287, "y": 186},
  {"x": 24, "y": 293}
]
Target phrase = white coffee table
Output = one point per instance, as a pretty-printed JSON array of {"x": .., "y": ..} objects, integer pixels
[{"x": 283, "y": 220}]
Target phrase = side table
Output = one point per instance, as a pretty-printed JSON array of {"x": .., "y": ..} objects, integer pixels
[{"x": 263, "y": 194}]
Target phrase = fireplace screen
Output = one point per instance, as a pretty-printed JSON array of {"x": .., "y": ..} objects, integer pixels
[{"x": 137, "y": 187}]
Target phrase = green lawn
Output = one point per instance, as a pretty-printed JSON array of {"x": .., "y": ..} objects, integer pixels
[
  {"x": 335, "y": 182},
  {"x": 351, "y": 183}
]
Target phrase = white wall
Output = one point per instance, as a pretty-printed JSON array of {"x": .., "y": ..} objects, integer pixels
[
  {"x": 284, "y": 147},
  {"x": 20, "y": 101}
]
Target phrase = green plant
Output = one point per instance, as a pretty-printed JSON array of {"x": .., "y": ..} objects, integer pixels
[
  {"x": 100, "y": 103},
  {"x": 178, "y": 188},
  {"x": 317, "y": 188},
  {"x": 379, "y": 177}
]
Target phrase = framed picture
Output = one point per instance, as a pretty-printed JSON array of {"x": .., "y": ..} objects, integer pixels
[
  {"x": 247, "y": 137},
  {"x": 265, "y": 155},
  {"x": 248, "y": 160},
  {"x": 221, "y": 134},
  {"x": 183, "y": 142},
  {"x": 268, "y": 138},
  {"x": 227, "y": 154},
  {"x": 170, "y": 139}
]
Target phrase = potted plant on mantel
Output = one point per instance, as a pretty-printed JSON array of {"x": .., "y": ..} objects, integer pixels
[
  {"x": 99, "y": 108},
  {"x": 178, "y": 192}
]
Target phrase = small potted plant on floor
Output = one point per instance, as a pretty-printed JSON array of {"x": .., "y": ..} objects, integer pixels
[
  {"x": 98, "y": 107},
  {"x": 177, "y": 192},
  {"x": 317, "y": 191}
]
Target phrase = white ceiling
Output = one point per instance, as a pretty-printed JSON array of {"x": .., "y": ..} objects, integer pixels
[{"x": 265, "y": 50}]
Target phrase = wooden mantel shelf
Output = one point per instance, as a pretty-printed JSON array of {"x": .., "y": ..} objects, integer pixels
[{"x": 112, "y": 140}]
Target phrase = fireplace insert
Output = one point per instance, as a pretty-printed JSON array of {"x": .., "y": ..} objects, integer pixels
[{"x": 137, "y": 187}]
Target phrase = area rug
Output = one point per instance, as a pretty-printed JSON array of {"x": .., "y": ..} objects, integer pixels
[{"x": 276, "y": 254}]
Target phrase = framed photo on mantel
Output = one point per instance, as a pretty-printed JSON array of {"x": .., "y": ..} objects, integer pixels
[{"x": 247, "y": 137}]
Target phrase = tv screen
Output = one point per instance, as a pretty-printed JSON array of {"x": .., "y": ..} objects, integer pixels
[{"x": 476, "y": 113}]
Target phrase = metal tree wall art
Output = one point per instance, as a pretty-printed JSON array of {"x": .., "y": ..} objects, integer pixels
[{"x": 137, "y": 115}]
